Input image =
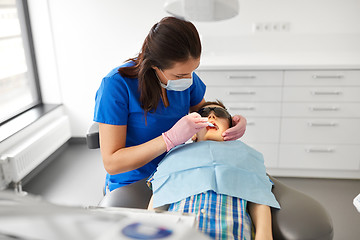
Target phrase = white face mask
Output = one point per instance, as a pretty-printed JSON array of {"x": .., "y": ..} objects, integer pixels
[{"x": 178, "y": 84}]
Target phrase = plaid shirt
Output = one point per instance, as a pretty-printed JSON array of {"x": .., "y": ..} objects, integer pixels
[{"x": 220, "y": 216}]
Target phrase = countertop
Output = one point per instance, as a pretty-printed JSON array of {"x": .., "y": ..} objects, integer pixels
[
  {"x": 281, "y": 61},
  {"x": 281, "y": 52}
]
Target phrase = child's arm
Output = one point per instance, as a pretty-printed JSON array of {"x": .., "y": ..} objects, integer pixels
[
  {"x": 261, "y": 218},
  {"x": 150, "y": 206}
]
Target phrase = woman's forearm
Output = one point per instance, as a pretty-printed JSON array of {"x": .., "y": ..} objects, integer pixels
[
  {"x": 130, "y": 158},
  {"x": 118, "y": 158}
]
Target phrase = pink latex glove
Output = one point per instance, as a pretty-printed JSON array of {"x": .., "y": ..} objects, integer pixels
[
  {"x": 238, "y": 129},
  {"x": 184, "y": 129}
]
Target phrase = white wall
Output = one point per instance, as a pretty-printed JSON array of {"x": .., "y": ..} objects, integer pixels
[
  {"x": 79, "y": 41},
  {"x": 45, "y": 50},
  {"x": 320, "y": 25}
]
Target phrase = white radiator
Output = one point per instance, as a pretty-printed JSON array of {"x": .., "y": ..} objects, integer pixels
[{"x": 19, "y": 160}]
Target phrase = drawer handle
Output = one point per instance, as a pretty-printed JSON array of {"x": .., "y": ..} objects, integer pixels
[
  {"x": 243, "y": 93},
  {"x": 315, "y": 109},
  {"x": 241, "y": 77},
  {"x": 325, "y": 92},
  {"x": 242, "y": 108},
  {"x": 319, "y": 150},
  {"x": 328, "y": 76},
  {"x": 331, "y": 124},
  {"x": 250, "y": 123}
]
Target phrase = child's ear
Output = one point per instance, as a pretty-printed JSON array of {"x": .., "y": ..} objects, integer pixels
[{"x": 194, "y": 138}]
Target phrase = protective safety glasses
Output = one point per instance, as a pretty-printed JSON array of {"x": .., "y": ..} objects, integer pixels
[{"x": 218, "y": 111}]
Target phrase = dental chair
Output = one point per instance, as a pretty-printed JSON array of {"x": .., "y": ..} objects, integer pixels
[{"x": 300, "y": 217}]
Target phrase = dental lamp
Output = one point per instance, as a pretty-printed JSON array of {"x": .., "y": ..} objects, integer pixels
[{"x": 202, "y": 10}]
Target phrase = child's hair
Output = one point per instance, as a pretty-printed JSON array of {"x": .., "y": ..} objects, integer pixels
[{"x": 219, "y": 103}]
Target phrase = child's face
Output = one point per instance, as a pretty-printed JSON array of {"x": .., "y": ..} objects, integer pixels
[{"x": 213, "y": 133}]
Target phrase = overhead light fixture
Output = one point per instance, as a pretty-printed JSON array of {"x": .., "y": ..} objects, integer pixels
[{"x": 202, "y": 10}]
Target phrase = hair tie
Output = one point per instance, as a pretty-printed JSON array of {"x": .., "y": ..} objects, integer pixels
[{"x": 156, "y": 27}]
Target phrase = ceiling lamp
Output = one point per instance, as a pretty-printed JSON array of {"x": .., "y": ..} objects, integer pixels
[{"x": 202, "y": 10}]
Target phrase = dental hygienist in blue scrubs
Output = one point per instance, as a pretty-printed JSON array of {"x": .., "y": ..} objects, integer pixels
[{"x": 142, "y": 106}]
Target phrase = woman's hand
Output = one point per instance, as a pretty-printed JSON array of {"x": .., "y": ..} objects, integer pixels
[
  {"x": 184, "y": 129},
  {"x": 238, "y": 129}
]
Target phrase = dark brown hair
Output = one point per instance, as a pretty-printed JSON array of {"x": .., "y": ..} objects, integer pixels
[{"x": 169, "y": 41}]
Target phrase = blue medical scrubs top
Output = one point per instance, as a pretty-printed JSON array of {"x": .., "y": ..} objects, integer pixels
[{"x": 117, "y": 102}]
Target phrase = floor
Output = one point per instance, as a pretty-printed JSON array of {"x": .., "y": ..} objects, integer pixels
[{"x": 76, "y": 177}]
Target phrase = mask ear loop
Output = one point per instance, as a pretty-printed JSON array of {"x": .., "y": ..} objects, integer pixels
[
  {"x": 163, "y": 74},
  {"x": 161, "y": 83}
]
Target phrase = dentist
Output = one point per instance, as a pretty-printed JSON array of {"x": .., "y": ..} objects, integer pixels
[{"x": 142, "y": 106}]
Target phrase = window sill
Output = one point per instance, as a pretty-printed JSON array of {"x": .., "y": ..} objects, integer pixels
[{"x": 25, "y": 119}]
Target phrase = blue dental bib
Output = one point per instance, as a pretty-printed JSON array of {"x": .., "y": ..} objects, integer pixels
[{"x": 231, "y": 168}]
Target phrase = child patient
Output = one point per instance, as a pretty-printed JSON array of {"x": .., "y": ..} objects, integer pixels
[{"x": 220, "y": 182}]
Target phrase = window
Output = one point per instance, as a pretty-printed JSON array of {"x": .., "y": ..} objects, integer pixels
[{"x": 19, "y": 86}]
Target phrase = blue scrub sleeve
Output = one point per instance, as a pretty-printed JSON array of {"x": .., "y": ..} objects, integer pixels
[
  {"x": 112, "y": 101},
  {"x": 197, "y": 90}
]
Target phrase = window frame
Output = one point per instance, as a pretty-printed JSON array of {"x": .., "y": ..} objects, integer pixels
[{"x": 32, "y": 70}]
